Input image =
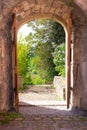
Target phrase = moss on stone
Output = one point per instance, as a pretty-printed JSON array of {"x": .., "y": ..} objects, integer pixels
[{"x": 7, "y": 117}]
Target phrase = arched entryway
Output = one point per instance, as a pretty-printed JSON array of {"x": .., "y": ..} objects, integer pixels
[
  {"x": 64, "y": 19},
  {"x": 37, "y": 74},
  {"x": 33, "y": 9}
]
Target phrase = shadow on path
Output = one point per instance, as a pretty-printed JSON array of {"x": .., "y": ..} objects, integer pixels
[
  {"x": 50, "y": 109},
  {"x": 48, "y": 117}
]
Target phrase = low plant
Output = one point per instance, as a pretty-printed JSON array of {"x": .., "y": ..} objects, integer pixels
[{"x": 6, "y": 117}]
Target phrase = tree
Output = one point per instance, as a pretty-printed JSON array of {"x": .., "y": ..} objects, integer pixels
[
  {"x": 36, "y": 55},
  {"x": 44, "y": 64},
  {"x": 48, "y": 31},
  {"x": 24, "y": 59},
  {"x": 47, "y": 35},
  {"x": 59, "y": 59}
]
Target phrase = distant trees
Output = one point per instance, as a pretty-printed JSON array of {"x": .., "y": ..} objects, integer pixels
[
  {"x": 24, "y": 59},
  {"x": 35, "y": 58},
  {"x": 59, "y": 59}
]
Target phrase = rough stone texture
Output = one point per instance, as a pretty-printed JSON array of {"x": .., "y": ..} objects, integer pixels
[
  {"x": 6, "y": 79},
  {"x": 60, "y": 85},
  {"x": 80, "y": 61},
  {"x": 82, "y": 4},
  {"x": 47, "y": 118},
  {"x": 28, "y": 10}
]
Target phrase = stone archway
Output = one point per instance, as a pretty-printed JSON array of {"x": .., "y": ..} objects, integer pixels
[
  {"x": 32, "y": 9},
  {"x": 62, "y": 16},
  {"x": 41, "y": 16}
]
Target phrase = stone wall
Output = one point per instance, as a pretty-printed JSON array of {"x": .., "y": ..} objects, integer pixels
[
  {"x": 60, "y": 85},
  {"x": 25, "y": 11},
  {"x": 80, "y": 64},
  {"x": 1, "y": 75},
  {"x": 6, "y": 66}
]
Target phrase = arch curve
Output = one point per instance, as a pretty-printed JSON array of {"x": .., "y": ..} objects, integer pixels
[
  {"x": 43, "y": 16},
  {"x": 30, "y": 10}
]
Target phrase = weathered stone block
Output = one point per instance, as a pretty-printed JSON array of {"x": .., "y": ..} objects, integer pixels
[{"x": 60, "y": 85}]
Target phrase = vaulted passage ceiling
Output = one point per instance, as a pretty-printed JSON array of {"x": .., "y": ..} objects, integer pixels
[
  {"x": 30, "y": 10},
  {"x": 33, "y": 9}
]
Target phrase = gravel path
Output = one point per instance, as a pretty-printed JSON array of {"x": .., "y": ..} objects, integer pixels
[{"x": 38, "y": 93}]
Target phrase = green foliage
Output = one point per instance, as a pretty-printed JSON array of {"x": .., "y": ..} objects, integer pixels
[
  {"x": 9, "y": 117},
  {"x": 24, "y": 59},
  {"x": 22, "y": 56},
  {"x": 44, "y": 61},
  {"x": 59, "y": 59},
  {"x": 38, "y": 80},
  {"x": 47, "y": 31},
  {"x": 27, "y": 80},
  {"x": 35, "y": 52}
]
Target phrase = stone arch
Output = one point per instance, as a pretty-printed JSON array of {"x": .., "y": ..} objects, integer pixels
[
  {"x": 56, "y": 8},
  {"x": 57, "y": 19},
  {"x": 30, "y": 10},
  {"x": 43, "y": 16},
  {"x": 62, "y": 20},
  {"x": 38, "y": 16}
]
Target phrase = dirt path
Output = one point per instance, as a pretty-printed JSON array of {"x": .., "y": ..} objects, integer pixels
[{"x": 38, "y": 93}]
